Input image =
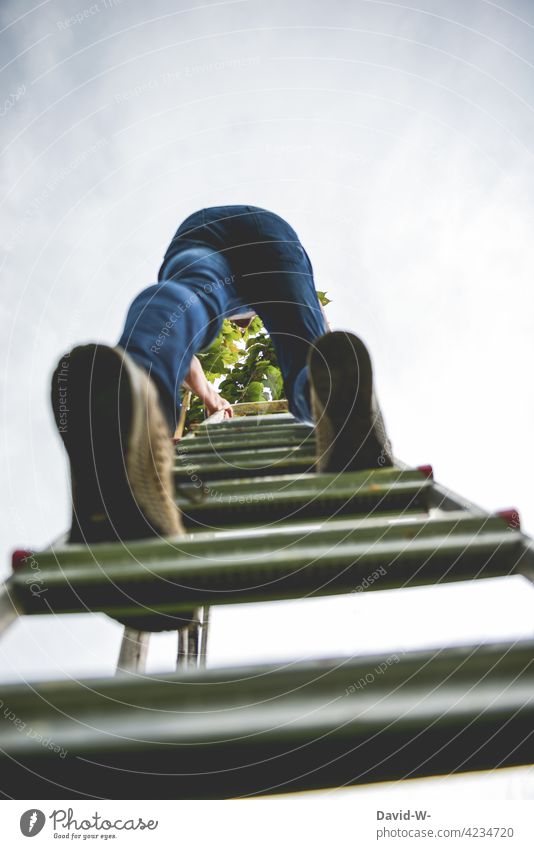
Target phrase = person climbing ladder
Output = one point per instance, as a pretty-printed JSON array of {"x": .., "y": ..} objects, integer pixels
[{"x": 116, "y": 407}]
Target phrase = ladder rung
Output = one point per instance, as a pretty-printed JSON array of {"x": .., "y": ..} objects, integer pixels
[
  {"x": 223, "y": 733},
  {"x": 245, "y": 440},
  {"x": 245, "y": 422},
  {"x": 238, "y": 464},
  {"x": 260, "y": 408},
  {"x": 303, "y": 497},
  {"x": 160, "y": 578}
]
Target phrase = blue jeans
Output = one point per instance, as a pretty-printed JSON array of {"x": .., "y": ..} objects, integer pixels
[{"x": 223, "y": 261}]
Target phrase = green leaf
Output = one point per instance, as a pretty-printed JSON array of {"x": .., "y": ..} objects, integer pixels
[
  {"x": 273, "y": 381},
  {"x": 254, "y": 391}
]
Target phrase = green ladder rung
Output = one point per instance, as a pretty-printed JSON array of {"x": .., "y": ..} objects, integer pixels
[
  {"x": 269, "y": 438},
  {"x": 248, "y": 422},
  {"x": 300, "y": 497},
  {"x": 162, "y": 577},
  {"x": 241, "y": 464},
  {"x": 264, "y": 729}
]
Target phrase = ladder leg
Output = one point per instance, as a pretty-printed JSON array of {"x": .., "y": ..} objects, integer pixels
[
  {"x": 134, "y": 648},
  {"x": 189, "y": 644},
  {"x": 204, "y": 635},
  {"x": 181, "y": 656},
  {"x": 193, "y": 644}
]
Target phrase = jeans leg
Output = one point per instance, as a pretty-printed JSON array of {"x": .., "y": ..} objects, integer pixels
[
  {"x": 293, "y": 319},
  {"x": 170, "y": 321},
  {"x": 277, "y": 281}
]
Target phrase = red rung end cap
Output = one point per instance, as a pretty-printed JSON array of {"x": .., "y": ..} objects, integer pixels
[
  {"x": 426, "y": 470},
  {"x": 19, "y": 557},
  {"x": 511, "y": 517}
]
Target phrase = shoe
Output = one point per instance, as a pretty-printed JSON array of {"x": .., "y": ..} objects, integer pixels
[
  {"x": 349, "y": 428},
  {"x": 108, "y": 415}
]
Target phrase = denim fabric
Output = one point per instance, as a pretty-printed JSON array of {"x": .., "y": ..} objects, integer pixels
[{"x": 224, "y": 261}]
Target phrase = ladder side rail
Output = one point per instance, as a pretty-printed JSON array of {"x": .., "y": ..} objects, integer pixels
[
  {"x": 9, "y": 610},
  {"x": 442, "y": 498},
  {"x": 204, "y": 633},
  {"x": 526, "y": 565}
]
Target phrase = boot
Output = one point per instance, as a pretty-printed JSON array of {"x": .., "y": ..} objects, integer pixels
[
  {"x": 349, "y": 428},
  {"x": 121, "y": 457}
]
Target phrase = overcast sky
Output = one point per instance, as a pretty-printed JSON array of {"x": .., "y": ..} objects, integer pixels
[{"x": 396, "y": 140}]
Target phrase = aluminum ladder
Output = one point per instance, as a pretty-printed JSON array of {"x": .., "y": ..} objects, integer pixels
[{"x": 262, "y": 526}]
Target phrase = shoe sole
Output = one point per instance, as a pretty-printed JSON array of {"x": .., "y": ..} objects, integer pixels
[
  {"x": 341, "y": 379},
  {"x": 96, "y": 399},
  {"x": 100, "y": 403}
]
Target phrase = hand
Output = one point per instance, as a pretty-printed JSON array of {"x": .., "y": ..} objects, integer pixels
[
  {"x": 196, "y": 381},
  {"x": 215, "y": 402}
]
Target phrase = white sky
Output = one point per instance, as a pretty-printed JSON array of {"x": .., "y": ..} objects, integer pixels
[{"x": 396, "y": 140}]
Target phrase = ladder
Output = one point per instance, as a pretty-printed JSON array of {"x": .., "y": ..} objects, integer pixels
[{"x": 220, "y": 733}]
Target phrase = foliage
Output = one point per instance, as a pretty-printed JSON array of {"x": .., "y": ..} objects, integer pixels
[{"x": 242, "y": 364}]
